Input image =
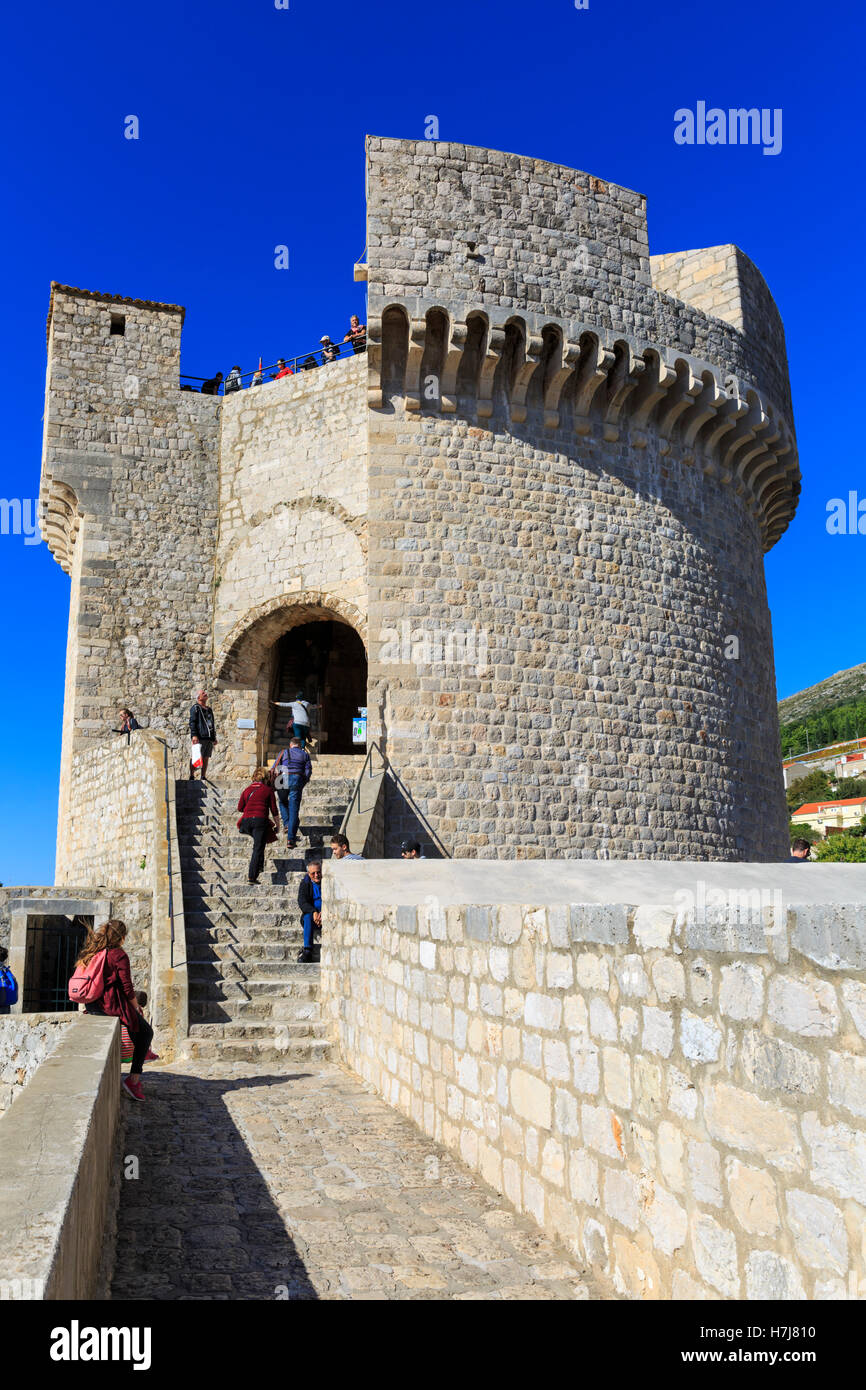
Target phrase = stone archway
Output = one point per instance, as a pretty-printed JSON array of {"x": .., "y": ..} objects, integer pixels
[{"x": 255, "y": 658}]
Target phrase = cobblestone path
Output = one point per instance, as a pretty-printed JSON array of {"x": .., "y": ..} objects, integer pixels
[{"x": 278, "y": 1181}]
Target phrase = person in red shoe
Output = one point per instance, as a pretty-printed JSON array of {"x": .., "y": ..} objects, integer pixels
[{"x": 118, "y": 996}]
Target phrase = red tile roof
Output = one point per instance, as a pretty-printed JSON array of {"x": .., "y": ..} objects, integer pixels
[{"x": 811, "y": 806}]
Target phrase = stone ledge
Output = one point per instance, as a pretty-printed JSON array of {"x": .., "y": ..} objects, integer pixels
[{"x": 55, "y": 1166}]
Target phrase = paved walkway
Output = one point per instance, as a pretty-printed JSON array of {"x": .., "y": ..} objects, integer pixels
[{"x": 274, "y": 1182}]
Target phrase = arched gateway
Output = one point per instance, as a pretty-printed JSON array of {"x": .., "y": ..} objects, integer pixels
[{"x": 309, "y": 643}]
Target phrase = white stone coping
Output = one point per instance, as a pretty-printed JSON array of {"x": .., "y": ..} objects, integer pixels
[
  {"x": 55, "y": 1166},
  {"x": 542, "y": 882}
]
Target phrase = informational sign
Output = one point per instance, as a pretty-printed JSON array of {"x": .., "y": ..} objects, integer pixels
[
  {"x": 246, "y": 723},
  {"x": 359, "y": 729}
]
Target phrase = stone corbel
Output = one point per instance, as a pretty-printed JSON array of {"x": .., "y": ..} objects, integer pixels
[
  {"x": 595, "y": 363},
  {"x": 708, "y": 403},
  {"x": 374, "y": 362},
  {"x": 457, "y": 335},
  {"x": 533, "y": 350},
  {"x": 727, "y": 418},
  {"x": 569, "y": 356},
  {"x": 417, "y": 339},
  {"x": 495, "y": 342},
  {"x": 655, "y": 383},
  {"x": 744, "y": 436},
  {"x": 626, "y": 376},
  {"x": 679, "y": 399}
]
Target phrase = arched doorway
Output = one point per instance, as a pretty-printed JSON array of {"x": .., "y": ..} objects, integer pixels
[{"x": 325, "y": 661}]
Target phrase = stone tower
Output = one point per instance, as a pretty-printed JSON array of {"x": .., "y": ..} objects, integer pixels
[{"x": 540, "y": 500}]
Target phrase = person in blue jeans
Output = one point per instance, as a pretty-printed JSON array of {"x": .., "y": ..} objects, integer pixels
[
  {"x": 310, "y": 903},
  {"x": 292, "y": 771}
]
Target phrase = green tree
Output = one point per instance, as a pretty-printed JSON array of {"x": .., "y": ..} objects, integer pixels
[
  {"x": 847, "y": 849},
  {"x": 815, "y": 786},
  {"x": 848, "y": 787},
  {"x": 804, "y": 832}
]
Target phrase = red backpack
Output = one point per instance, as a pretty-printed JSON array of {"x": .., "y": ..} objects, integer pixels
[{"x": 87, "y": 984}]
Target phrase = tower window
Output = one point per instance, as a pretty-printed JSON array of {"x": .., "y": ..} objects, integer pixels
[{"x": 118, "y": 325}]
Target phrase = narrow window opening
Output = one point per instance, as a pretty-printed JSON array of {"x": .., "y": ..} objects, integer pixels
[{"x": 118, "y": 325}]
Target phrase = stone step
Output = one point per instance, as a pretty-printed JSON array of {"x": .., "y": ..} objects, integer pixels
[
  {"x": 239, "y": 935},
  {"x": 249, "y": 1050},
  {"x": 207, "y": 953},
  {"x": 250, "y": 1010},
  {"x": 206, "y": 972},
  {"x": 255, "y": 1031},
  {"x": 239, "y": 991}
]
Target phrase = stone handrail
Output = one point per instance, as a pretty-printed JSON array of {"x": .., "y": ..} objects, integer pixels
[{"x": 361, "y": 826}]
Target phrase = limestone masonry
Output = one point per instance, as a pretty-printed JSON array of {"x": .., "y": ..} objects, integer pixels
[{"x": 541, "y": 500}]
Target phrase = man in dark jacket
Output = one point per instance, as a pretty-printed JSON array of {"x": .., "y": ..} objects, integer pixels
[
  {"x": 292, "y": 771},
  {"x": 202, "y": 730},
  {"x": 310, "y": 903}
]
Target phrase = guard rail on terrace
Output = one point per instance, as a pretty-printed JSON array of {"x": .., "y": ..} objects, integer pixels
[{"x": 301, "y": 362}]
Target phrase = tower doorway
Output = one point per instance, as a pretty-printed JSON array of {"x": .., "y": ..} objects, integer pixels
[{"x": 326, "y": 661}]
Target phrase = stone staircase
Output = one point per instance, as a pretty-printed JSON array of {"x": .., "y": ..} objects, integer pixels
[{"x": 249, "y": 998}]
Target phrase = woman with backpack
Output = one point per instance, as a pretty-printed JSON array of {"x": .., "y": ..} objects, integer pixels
[{"x": 103, "y": 951}]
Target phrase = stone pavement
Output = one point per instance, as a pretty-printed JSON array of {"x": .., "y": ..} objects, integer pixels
[{"x": 289, "y": 1181}]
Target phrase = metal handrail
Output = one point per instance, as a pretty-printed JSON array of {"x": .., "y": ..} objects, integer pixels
[{"x": 302, "y": 361}]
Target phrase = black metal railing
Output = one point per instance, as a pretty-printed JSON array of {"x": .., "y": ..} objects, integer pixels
[{"x": 319, "y": 356}]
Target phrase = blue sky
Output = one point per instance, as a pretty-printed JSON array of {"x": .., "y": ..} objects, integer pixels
[{"x": 252, "y": 125}]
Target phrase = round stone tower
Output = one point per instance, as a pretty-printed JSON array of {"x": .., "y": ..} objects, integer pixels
[{"x": 577, "y": 456}]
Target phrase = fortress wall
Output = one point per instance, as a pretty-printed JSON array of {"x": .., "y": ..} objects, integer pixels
[
  {"x": 293, "y": 492},
  {"x": 138, "y": 457},
  {"x": 549, "y": 239},
  {"x": 678, "y": 1093},
  {"x": 589, "y": 590}
]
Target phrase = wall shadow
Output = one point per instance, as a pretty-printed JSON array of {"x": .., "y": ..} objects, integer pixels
[{"x": 199, "y": 1222}]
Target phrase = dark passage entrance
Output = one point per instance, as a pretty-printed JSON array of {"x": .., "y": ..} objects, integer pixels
[
  {"x": 327, "y": 661},
  {"x": 53, "y": 945}
]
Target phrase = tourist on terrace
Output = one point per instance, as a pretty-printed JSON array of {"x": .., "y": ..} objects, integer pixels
[
  {"x": 211, "y": 387},
  {"x": 801, "y": 851},
  {"x": 340, "y": 848},
  {"x": 258, "y": 818},
  {"x": 258, "y": 379},
  {"x": 292, "y": 771},
  {"x": 282, "y": 369},
  {"x": 310, "y": 903},
  {"x": 128, "y": 723},
  {"x": 119, "y": 997},
  {"x": 357, "y": 334},
  {"x": 330, "y": 351},
  {"x": 309, "y": 363},
  {"x": 233, "y": 381},
  {"x": 410, "y": 849},
  {"x": 202, "y": 730}
]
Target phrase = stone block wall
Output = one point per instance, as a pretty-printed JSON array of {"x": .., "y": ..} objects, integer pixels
[
  {"x": 591, "y": 706},
  {"x": 25, "y": 1041},
  {"x": 111, "y": 824},
  {"x": 293, "y": 493},
  {"x": 678, "y": 1093},
  {"x": 129, "y": 496}
]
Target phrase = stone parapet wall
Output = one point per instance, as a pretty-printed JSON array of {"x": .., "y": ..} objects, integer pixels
[
  {"x": 672, "y": 1079},
  {"x": 113, "y": 804},
  {"x": 56, "y": 1151},
  {"x": 545, "y": 238},
  {"x": 25, "y": 1041}
]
